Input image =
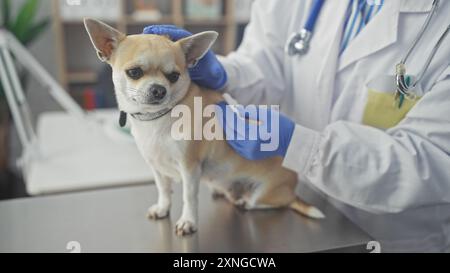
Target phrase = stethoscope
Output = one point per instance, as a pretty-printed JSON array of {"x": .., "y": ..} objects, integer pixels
[
  {"x": 404, "y": 88},
  {"x": 299, "y": 43}
]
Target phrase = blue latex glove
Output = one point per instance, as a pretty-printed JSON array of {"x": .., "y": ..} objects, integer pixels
[
  {"x": 208, "y": 72},
  {"x": 257, "y": 134}
]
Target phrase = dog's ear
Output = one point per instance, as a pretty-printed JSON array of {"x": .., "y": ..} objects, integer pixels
[
  {"x": 104, "y": 38},
  {"x": 196, "y": 46}
]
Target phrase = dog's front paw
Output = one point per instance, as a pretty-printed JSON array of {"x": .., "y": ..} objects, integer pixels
[
  {"x": 185, "y": 227},
  {"x": 156, "y": 212}
]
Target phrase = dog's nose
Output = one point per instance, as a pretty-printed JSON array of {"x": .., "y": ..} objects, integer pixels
[{"x": 158, "y": 92}]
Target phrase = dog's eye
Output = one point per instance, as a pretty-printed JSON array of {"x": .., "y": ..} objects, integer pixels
[
  {"x": 135, "y": 73},
  {"x": 173, "y": 77}
]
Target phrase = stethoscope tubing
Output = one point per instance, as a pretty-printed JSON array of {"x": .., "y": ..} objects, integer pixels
[
  {"x": 421, "y": 32},
  {"x": 314, "y": 14},
  {"x": 298, "y": 43},
  {"x": 402, "y": 86}
]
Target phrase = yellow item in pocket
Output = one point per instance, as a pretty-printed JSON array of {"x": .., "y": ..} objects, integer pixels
[{"x": 382, "y": 112}]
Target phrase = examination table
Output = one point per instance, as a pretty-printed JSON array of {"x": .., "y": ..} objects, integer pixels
[{"x": 114, "y": 220}]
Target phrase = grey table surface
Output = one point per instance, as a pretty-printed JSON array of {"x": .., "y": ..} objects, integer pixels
[{"x": 113, "y": 220}]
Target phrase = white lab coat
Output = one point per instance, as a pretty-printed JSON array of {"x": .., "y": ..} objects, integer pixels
[{"x": 395, "y": 184}]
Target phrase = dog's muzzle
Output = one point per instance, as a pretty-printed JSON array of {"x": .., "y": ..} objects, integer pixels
[{"x": 155, "y": 95}]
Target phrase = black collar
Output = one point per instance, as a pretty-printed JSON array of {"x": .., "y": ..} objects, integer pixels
[{"x": 143, "y": 116}]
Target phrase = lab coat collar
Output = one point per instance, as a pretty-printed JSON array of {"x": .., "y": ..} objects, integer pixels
[
  {"x": 333, "y": 15},
  {"x": 382, "y": 31},
  {"x": 416, "y": 5},
  {"x": 329, "y": 32}
]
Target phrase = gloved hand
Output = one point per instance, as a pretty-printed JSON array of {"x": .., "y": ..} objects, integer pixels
[
  {"x": 208, "y": 72},
  {"x": 257, "y": 134}
]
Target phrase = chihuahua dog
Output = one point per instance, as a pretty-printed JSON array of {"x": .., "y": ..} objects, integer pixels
[{"x": 150, "y": 74}]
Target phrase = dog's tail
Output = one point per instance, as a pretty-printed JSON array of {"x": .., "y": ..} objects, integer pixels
[{"x": 306, "y": 209}]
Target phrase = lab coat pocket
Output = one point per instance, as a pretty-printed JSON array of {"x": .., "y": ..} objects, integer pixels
[{"x": 381, "y": 110}]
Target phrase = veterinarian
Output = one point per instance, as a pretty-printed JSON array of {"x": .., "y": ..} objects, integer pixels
[{"x": 381, "y": 154}]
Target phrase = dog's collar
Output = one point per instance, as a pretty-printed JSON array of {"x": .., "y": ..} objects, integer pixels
[
  {"x": 143, "y": 116},
  {"x": 151, "y": 116}
]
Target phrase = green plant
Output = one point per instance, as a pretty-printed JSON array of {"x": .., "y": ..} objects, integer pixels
[{"x": 22, "y": 25}]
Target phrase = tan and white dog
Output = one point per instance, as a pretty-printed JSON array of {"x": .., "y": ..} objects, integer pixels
[{"x": 150, "y": 75}]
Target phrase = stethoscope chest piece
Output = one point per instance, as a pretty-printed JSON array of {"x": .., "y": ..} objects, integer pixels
[{"x": 298, "y": 43}]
